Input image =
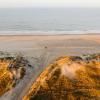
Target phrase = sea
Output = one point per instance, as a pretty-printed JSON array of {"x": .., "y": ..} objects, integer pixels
[{"x": 49, "y": 20}]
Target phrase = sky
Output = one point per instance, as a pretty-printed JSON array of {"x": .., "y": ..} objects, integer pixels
[{"x": 65, "y": 3}]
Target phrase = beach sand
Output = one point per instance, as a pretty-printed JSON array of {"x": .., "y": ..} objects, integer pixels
[{"x": 49, "y": 48}]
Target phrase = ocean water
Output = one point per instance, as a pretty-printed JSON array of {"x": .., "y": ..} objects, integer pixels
[{"x": 48, "y": 21}]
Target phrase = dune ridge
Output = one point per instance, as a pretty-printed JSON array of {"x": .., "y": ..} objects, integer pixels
[{"x": 68, "y": 78}]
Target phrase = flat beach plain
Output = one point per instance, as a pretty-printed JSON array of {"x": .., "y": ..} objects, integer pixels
[{"x": 51, "y": 46}]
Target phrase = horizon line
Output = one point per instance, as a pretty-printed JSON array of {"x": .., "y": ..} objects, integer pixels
[{"x": 50, "y": 6}]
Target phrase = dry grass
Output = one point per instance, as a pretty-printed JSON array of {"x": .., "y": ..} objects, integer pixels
[
  {"x": 53, "y": 85},
  {"x": 6, "y": 78},
  {"x": 12, "y": 70}
]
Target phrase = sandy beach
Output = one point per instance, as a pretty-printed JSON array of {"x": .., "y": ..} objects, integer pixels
[{"x": 50, "y": 47}]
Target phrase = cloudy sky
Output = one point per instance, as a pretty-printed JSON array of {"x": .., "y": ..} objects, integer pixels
[{"x": 29, "y": 3}]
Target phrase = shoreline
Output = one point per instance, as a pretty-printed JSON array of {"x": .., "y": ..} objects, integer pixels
[{"x": 48, "y": 34}]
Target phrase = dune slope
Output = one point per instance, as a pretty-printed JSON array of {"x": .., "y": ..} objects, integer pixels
[{"x": 68, "y": 78}]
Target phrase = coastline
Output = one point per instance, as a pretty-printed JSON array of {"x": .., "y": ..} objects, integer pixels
[{"x": 50, "y": 34}]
